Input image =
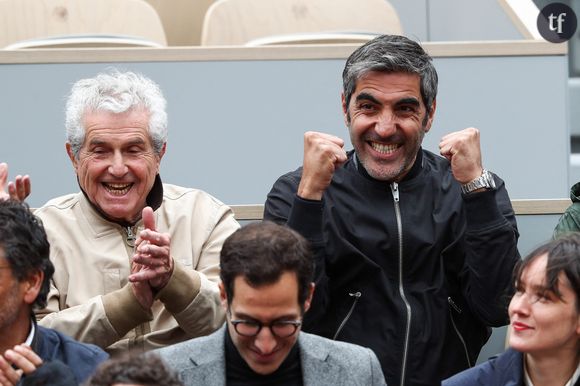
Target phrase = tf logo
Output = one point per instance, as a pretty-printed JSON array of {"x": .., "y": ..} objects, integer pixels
[{"x": 557, "y": 22}]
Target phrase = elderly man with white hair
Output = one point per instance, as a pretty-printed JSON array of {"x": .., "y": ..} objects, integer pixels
[{"x": 137, "y": 261}]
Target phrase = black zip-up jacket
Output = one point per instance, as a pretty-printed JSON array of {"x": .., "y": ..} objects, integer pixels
[{"x": 416, "y": 271}]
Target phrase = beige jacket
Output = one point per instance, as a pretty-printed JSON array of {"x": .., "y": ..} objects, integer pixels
[{"x": 90, "y": 298}]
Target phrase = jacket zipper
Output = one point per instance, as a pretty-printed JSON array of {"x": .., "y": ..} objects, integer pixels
[
  {"x": 130, "y": 237},
  {"x": 458, "y": 310},
  {"x": 395, "y": 192},
  {"x": 356, "y": 296}
]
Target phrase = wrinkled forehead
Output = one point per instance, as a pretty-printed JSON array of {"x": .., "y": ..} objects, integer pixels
[{"x": 105, "y": 109}]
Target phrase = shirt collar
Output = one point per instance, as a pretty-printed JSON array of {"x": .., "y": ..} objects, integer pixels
[{"x": 30, "y": 337}]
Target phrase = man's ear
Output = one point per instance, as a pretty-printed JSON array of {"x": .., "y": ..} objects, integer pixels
[
  {"x": 71, "y": 155},
  {"x": 223, "y": 295},
  {"x": 344, "y": 109},
  {"x": 431, "y": 116},
  {"x": 163, "y": 149},
  {"x": 31, "y": 286},
  {"x": 308, "y": 300},
  {"x": 160, "y": 155}
]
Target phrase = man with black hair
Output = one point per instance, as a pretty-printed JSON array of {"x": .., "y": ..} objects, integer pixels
[
  {"x": 266, "y": 287},
  {"x": 25, "y": 272},
  {"x": 414, "y": 251}
]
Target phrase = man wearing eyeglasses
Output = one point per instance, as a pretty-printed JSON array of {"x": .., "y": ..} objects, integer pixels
[{"x": 266, "y": 287}]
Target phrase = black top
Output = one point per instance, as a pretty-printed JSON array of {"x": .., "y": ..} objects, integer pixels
[
  {"x": 238, "y": 373},
  {"x": 416, "y": 270}
]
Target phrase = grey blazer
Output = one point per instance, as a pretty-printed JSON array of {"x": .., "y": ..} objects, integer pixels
[{"x": 201, "y": 361}]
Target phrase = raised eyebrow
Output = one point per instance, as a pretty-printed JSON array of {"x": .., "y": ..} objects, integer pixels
[
  {"x": 97, "y": 142},
  {"x": 364, "y": 96},
  {"x": 409, "y": 101},
  {"x": 135, "y": 142}
]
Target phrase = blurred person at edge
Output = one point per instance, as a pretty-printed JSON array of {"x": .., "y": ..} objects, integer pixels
[
  {"x": 544, "y": 323},
  {"x": 29, "y": 352},
  {"x": 132, "y": 369}
]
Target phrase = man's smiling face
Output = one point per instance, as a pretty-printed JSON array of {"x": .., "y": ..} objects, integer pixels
[
  {"x": 116, "y": 165},
  {"x": 387, "y": 121}
]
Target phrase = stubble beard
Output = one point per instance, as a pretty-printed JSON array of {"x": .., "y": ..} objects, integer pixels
[
  {"x": 386, "y": 173},
  {"x": 10, "y": 307}
]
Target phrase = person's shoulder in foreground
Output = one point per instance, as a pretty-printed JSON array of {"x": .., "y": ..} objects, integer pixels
[
  {"x": 25, "y": 273},
  {"x": 82, "y": 358},
  {"x": 323, "y": 361},
  {"x": 356, "y": 365},
  {"x": 544, "y": 331},
  {"x": 504, "y": 369},
  {"x": 133, "y": 369},
  {"x": 570, "y": 220}
]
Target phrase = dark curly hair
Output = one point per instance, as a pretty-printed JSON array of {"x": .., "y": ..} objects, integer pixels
[
  {"x": 25, "y": 246},
  {"x": 145, "y": 369}
]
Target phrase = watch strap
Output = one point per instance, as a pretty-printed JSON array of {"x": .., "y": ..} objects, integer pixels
[{"x": 484, "y": 181}]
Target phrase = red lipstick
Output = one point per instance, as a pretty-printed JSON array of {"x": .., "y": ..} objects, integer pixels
[{"x": 518, "y": 326}]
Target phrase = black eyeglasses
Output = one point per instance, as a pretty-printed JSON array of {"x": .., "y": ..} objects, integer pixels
[{"x": 279, "y": 328}]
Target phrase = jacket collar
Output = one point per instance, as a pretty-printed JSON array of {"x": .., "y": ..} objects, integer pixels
[
  {"x": 208, "y": 360},
  {"x": 413, "y": 172},
  {"x": 36, "y": 344},
  {"x": 509, "y": 367},
  {"x": 315, "y": 361}
]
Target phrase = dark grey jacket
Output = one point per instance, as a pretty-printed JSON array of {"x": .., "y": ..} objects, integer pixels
[{"x": 201, "y": 361}]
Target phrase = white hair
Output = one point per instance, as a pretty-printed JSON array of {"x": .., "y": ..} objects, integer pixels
[{"x": 115, "y": 92}]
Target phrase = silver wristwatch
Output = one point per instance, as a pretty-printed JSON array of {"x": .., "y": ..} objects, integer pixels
[{"x": 484, "y": 181}]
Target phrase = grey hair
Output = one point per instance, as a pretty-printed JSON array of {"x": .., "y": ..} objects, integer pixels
[
  {"x": 116, "y": 92},
  {"x": 391, "y": 53}
]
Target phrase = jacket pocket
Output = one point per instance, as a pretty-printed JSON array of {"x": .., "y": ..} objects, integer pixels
[
  {"x": 356, "y": 296},
  {"x": 455, "y": 313}
]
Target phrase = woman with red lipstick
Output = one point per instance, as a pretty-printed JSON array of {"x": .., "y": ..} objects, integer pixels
[{"x": 544, "y": 323}]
